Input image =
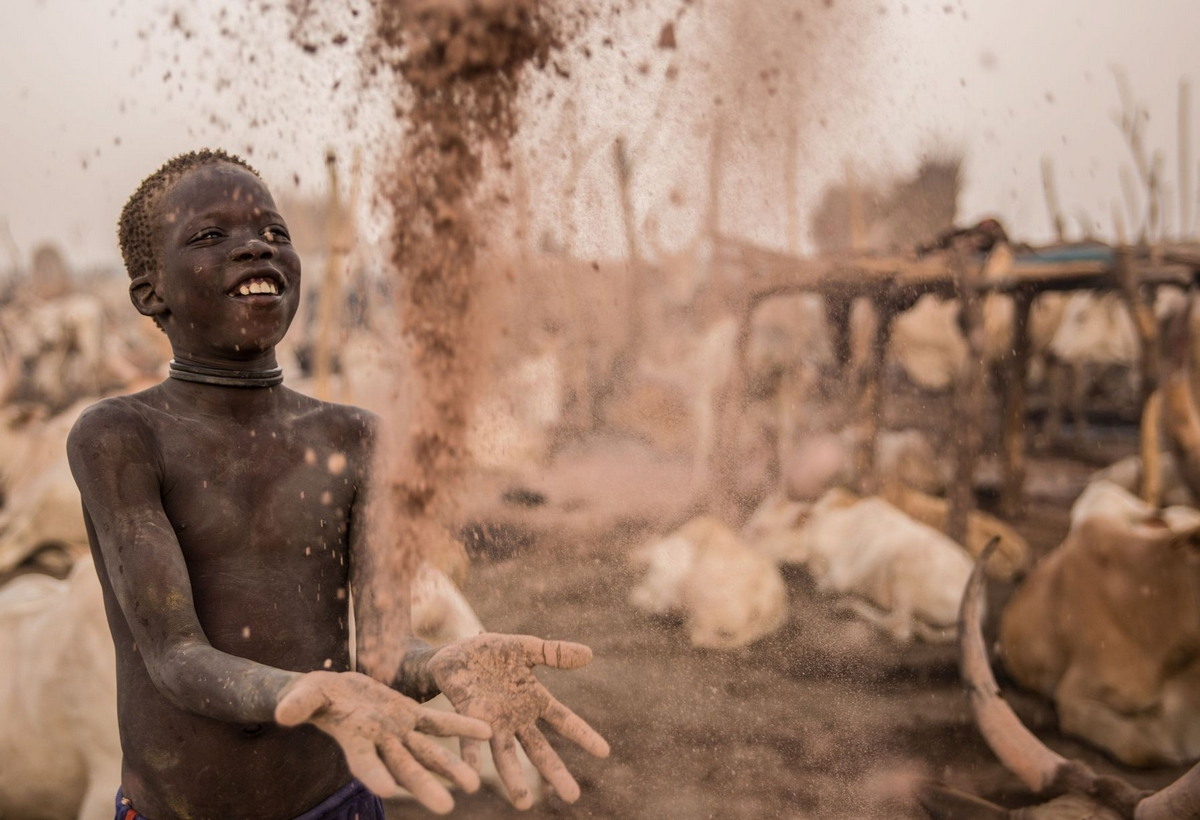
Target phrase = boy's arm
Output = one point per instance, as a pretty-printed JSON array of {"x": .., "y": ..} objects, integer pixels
[{"x": 114, "y": 462}]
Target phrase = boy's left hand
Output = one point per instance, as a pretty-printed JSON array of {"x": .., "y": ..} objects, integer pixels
[{"x": 490, "y": 677}]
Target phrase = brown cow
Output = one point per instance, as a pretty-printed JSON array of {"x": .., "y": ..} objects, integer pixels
[
  {"x": 1073, "y": 789},
  {"x": 1108, "y": 624}
]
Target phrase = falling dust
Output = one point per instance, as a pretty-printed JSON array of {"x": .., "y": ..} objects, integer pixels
[{"x": 462, "y": 62}]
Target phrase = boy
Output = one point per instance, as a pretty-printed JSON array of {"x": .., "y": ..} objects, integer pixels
[{"x": 226, "y": 514}]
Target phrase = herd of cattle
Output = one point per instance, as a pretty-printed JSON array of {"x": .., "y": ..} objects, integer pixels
[{"x": 1107, "y": 625}]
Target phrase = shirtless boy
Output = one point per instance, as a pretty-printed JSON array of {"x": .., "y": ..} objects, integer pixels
[{"x": 226, "y": 514}]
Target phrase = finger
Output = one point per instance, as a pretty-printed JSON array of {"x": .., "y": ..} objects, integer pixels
[
  {"x": 416, "y": 778},
  {"x": 472, "y": 752},
  {"x": 504, "y": 754},
  {"x": 575, "y": 729},
  {"x": 558, "y": 654},
  {"x": 434, "y": 757},
  {"x": 300, "y": 703},
  {"x": 445, "y": 724},
  {"x": 364, "y": 763},
  {"x": 547, "y": 761}
]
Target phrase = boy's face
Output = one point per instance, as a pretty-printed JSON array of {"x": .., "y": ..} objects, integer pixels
[{"x": 230, "y": 278}]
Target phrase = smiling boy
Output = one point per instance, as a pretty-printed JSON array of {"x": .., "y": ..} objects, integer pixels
[{"x": 226, "y": 514}]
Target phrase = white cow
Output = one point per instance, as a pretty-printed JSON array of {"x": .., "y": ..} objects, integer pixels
[
  {"x": 728, "y": 594},
  {"x": 42, "y": 512},
  {"x": 911, "y": 576},
  {"x": 58, "y": 740}
]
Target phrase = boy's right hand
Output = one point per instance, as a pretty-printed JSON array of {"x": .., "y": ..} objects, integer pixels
[{"x": 381, "y": 733}]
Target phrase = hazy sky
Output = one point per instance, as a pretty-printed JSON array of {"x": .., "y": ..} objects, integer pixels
[{"x": 98, "y": 93}]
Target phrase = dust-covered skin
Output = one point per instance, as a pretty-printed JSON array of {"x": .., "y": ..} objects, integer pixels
[
  {"x": 228, "y": 528},
  {"x": 491, "y": 677},
  {"x": 381, "y": 734}
]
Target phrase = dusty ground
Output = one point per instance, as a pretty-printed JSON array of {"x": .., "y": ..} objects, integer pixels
[{"x": 825, "y": 719}]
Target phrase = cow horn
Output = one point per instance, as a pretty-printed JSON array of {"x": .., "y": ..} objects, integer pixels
[
  {"x": 1043, "y": 771},
  {"x": 1182, "y": 420},
  {"x": 1179, "y": 801}
]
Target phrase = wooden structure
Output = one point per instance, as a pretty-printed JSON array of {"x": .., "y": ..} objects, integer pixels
[{"x": 751, "y": 275}]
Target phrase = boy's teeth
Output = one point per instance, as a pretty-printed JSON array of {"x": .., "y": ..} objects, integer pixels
[{"x": 258, "y": 286}]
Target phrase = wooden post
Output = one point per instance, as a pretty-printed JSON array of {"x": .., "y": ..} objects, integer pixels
[
  {"x": 1013, "y": 446},
  {"x": 870, "y": 399},
  {"x": 1050, "y": 191},
  {"x": 790, "y": 166},
  {"x": 338, "y": 244},
  {"x": 727, "y": 413},
  {"x": 969, "y": 404},
  {"x": 1185, "y": 160},
  {"x": 837, "y": 315},
  {"x": 1142, "y": 312},
  {"x": 712, "y": 213}
]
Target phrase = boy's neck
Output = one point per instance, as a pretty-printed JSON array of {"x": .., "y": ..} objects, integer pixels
[{"x": 221, "y": 376}]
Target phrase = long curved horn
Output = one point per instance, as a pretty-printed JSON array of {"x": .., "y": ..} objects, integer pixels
[
  {"x": 1182, "y": 420},
  {"x": 1043, "y": 771},
  {"x": 1179, "y": 801}
]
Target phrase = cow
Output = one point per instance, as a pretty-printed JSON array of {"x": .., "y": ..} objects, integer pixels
[
  {"x": 43, "y": 519},
  {"x": 1127, "y": 473},
  {"x": 1108, "y": 626},
  {"x": 59, "y": 740},
  {"x": 728, "y": 595},
  {"x": 904, "y": 576},
  {"x": 1073, "y": 791},
  {"x": 820, "y": 462}
]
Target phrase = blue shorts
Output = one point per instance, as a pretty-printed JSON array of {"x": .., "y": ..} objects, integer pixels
[{"x": 350, "y": 802}]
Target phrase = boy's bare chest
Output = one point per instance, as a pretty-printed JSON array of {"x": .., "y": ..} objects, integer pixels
[{"x": 266, "y": 491}]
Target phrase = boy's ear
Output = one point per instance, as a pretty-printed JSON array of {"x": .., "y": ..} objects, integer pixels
[{"x": 145, "y": 297}]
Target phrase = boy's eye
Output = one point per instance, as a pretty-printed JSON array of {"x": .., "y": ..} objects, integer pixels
[
  {"x": 207, "y": 233},
  {"x": 276, "y": 233}
]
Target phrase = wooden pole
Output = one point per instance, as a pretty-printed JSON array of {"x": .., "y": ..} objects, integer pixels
[
  {"x": 870, "y": 400},
  {"x": 1050, "y": 191},
  {"x": 338, "y": 245},
  {"x": 716, "y": 159},
  {"x": 1141, "y": 310},
  {"x": 1013, "y": 446},
  {"x": 790, "y": 167},
  {"x": 969, "y": 404},
  {"x": 721, "y": 499}
]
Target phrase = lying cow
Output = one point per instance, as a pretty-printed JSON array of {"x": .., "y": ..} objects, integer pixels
[
  {"x": 728, "y": 594},
  {"x": 1108, "y": 626},
  {"x": 58, "y": 742},
  {"x": 1073, "y": 790},
  {"x": 910, "y": 575}
]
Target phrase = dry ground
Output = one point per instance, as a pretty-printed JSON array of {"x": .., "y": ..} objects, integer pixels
[{"x": 825, "y": 719}]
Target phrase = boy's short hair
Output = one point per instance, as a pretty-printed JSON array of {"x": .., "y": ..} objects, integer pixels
[{"x": 139, "y": 216}]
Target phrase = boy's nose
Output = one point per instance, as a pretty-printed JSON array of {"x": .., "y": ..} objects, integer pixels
[{"x": 253, "y": 249}]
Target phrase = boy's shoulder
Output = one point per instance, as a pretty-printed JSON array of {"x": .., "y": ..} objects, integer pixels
[
  {"x": 115, "y": 413},
  {"x": 346, "y": 416},
  {"x": 116, "y": 426}
]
